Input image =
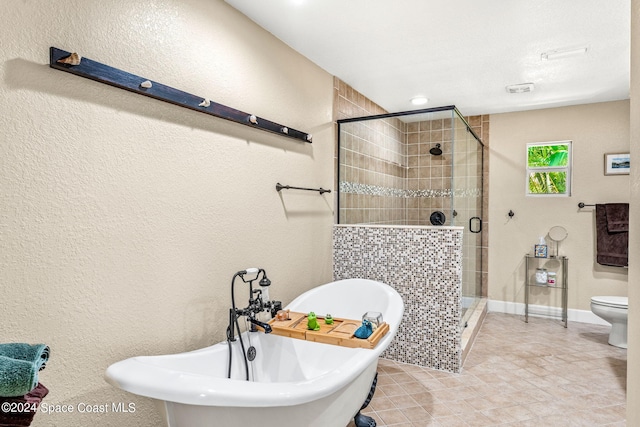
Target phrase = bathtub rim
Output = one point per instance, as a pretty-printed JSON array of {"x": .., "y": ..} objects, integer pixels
[{"x": 133, "y": 376}]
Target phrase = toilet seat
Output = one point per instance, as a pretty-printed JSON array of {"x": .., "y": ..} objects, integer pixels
[{"x": 613, "y": 302}]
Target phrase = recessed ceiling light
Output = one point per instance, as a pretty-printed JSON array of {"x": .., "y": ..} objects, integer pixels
[
  {"x": 419, "y": 100},
  {"x": 520, "y": 88},
  {"x": 563, "y": 53}
]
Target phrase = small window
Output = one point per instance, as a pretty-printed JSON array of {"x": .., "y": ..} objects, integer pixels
[{"x": 549, "y": 168}]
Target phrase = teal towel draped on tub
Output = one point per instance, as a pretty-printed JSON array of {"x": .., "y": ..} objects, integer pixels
[
  {"x": 19, "y": 367},
  {"x": 17, "y": 377},
  {"x": 36, "y": 353}
]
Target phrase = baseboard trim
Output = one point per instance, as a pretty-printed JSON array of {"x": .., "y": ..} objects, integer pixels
[{"x": 573, "y": 315}]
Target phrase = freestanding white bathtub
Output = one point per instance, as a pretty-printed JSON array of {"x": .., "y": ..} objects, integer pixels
[{"x": 293, "y": 382}]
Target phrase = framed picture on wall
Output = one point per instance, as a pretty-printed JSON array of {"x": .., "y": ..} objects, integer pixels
[{"x": 616, "y": 164}]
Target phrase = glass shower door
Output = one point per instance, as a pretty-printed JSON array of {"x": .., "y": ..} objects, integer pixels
[{"x": 467, "y": 203}]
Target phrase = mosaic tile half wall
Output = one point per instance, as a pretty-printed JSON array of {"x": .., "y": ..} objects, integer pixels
[{"x": 424, "y": 264}]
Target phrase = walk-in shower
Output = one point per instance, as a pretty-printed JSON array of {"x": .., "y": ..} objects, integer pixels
[{"x": 416, "y": 168}]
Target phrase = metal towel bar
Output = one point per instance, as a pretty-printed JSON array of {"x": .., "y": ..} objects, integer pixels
[{"x": 288, "y": 187}]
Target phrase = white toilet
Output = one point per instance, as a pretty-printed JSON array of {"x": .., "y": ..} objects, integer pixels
[{"x": 614, "y": 310}]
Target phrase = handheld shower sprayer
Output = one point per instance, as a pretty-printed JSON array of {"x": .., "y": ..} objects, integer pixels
[{"x": 264, "y": 283}]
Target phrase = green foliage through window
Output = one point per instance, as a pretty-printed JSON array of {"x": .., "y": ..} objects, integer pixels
[
  {"x": 548, "y": 182},
  {"x": 548, "y": 168},
  {"x": 548, "y": 155}
]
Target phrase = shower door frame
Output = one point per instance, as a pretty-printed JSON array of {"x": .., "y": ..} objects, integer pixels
[{"x": 455, "y": 113}]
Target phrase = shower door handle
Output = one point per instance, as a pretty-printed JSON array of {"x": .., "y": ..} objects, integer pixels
[{"x": 479, "y": 222}]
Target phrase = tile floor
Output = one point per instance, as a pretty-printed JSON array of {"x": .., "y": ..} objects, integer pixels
[{"x": 516, "y": 374}]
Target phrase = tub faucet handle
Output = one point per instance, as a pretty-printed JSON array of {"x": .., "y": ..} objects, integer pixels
[{"x": 276, "y": 306}]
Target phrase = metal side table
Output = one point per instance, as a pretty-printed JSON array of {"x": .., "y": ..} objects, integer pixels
[{"x": 563, "y": 271}]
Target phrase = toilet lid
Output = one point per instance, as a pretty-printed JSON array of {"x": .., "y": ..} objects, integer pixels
[{"x": 619, "y": 302}]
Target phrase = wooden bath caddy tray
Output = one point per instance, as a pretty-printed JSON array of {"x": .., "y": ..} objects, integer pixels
[{"x": 339, "y": 333}]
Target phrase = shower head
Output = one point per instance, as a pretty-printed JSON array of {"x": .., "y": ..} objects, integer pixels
[{"x": 436, "y": 151}]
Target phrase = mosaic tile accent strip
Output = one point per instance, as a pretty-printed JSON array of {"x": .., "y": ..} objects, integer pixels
[
  {"x": 376, "y": 190},
  {"x": 370, "y": 190},
  {"x": 424, "y": 264}
]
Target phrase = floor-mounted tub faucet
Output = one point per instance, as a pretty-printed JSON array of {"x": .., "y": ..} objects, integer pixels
[{"x": 256, "y": 306}]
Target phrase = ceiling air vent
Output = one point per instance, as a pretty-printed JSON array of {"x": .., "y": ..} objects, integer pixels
[{"x": 520, "y": 88}]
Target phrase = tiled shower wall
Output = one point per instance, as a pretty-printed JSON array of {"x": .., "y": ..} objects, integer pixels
[
  {"x": 424, "y": 264},
  {"x": 373, "y": 159},
  {"x": 390, "y": 178},
  {"x": 427, "y": 172}
]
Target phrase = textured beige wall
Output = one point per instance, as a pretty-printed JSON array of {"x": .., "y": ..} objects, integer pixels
[
  {"x": 595, "y": 129},
  {"x": 633, "y": 354},
  {"x": 122, "y": 218}
]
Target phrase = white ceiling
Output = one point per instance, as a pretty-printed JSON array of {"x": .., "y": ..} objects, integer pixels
[{"x": 462, "y": 52}]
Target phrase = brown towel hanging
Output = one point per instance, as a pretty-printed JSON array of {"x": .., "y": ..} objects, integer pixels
[
  {"x": 617, "y": 217},
  {"x": 612, "y": 240}
]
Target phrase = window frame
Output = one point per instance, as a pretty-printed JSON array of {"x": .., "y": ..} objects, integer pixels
[{"x": 568, "y": 169}]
